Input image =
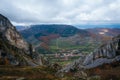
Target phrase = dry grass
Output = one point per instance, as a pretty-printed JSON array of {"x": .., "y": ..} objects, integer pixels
[
  {"x": 106, "y": 72},
  {"x": 27, "y": 73}
]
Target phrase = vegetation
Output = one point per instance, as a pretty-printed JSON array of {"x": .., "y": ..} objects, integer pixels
[
  {"x": 27, "y": 73},
  {"x": 106, "y": 71},
  {"x": 30, "y": 73},
  {"x": 64, "y": 44}
]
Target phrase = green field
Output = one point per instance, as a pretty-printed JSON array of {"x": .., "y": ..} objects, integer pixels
[{"x": 63, "y": 44}]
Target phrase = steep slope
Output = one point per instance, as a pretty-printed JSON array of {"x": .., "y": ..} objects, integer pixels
[
  {"x": 108, "y": 53},
  {"x": 13, "y": 48}
]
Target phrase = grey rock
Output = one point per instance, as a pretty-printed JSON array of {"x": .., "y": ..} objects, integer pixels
[
  {"x": 13, "y": 48},
  {"x": 105, "y": 54}
]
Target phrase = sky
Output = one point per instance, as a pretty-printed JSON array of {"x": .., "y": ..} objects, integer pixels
[{"x": 26, "y": 12}]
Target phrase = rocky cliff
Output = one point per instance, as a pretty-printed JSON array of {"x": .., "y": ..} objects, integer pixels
[
  {"x": 13, "y": 48},
  {"x": 106, "y": 54}
]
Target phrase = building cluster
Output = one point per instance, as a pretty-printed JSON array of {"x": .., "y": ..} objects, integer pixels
[{"x": 67, "y": 53}]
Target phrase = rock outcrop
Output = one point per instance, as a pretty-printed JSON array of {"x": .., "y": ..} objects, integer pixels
[
  {"x": 106, "y": 54},
  {"x": 76, "y": 65},
  {"x": 13, "y": 48}
]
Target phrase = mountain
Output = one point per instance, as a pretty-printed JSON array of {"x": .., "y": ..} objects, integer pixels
[
  {"x": 20, "y": 28},
  {"x": 14, "y": 50},
  {"x": 102, "y": 62},
  {"x": 43, "y": 37},
  {"x": 106, "y": 53},
  {"x": 50, "y": 38},
  {"x": 45, "y": 30},
  {"x": 111, "y": 32},
  {"x": 86, "y": 26}
]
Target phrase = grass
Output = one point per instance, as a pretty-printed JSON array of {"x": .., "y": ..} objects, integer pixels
[
  {"x": 83, "y": 49},
  {"x": 28, "y": 73},
  {"x": 60, "y": 60},
  {"x": 86, "y": 47},
  {"x": 106, "y": 71},
  {"x": 8, "y": 72}
]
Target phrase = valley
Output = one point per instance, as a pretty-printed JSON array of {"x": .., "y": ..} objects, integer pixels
[
  {"x": 52, "y": 40},
  {"x": 59, "y": 39},
  {"x": 58, "y": 52}
]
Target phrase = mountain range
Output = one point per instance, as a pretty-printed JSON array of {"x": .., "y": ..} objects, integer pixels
[
  {"x": 42, "y": 35},
  {"x": 107, "y": 25},
  {"x": 103, "y": 63},
  {"x": 47, "y": 37}
]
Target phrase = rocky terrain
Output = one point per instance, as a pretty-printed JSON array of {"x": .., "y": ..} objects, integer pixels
[
  {"x": 106, "y": 57},
  {"x": 106, "y": 53},
  {"x": 14, "y": 49},
  {"x": 17, "y": 56}
]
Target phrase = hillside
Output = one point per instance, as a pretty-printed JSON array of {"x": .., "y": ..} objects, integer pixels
[
  {"x": 49, "y": 39},
  {"x": 104, "y": 34},
  {"x": 111, "y": 32},
  {"x": 42, "y": 36},
  {"x": 18, "y": 59},
  {"x": 52, "y": 37},
  {"x": 101, "y": 64},
  {"x": 94, "y": 25},
  {"x": 45, "y": 30},
  {"x": 14, "y": 50}
]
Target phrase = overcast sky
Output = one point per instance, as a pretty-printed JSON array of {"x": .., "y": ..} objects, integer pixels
[{"x": 61, "y": 11}]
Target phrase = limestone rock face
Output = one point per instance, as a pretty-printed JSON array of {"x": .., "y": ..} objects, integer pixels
[
  {"x": 107, "y": 53},
  {"x": 15, "y": 39},
  {"x": 13, "y": 48},
  {"x": 4, "y": 22},
  {"x": 10, "y": 33},
  {"x": 76, "y": 65}
]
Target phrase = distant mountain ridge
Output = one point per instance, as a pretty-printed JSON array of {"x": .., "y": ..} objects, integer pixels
[
  {"x": 20, "y": 28},
  {"x": 42, "y": 35},
  {"x": 105, "y": 31},
  {"x": 44, "y": 30},
  {"x": 86, "y": 26}
]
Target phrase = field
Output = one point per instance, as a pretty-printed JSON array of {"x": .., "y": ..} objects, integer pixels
[
  {"x": 26, "y": 73},
  {"x": 84, "y": 47},
  {"x": 62, "y": 61}
]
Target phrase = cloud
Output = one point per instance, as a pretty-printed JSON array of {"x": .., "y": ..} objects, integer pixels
[{"x": 60, "y": 11}]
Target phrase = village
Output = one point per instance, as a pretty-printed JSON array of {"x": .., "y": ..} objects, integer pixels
[{"x": 64, "y": 56}]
